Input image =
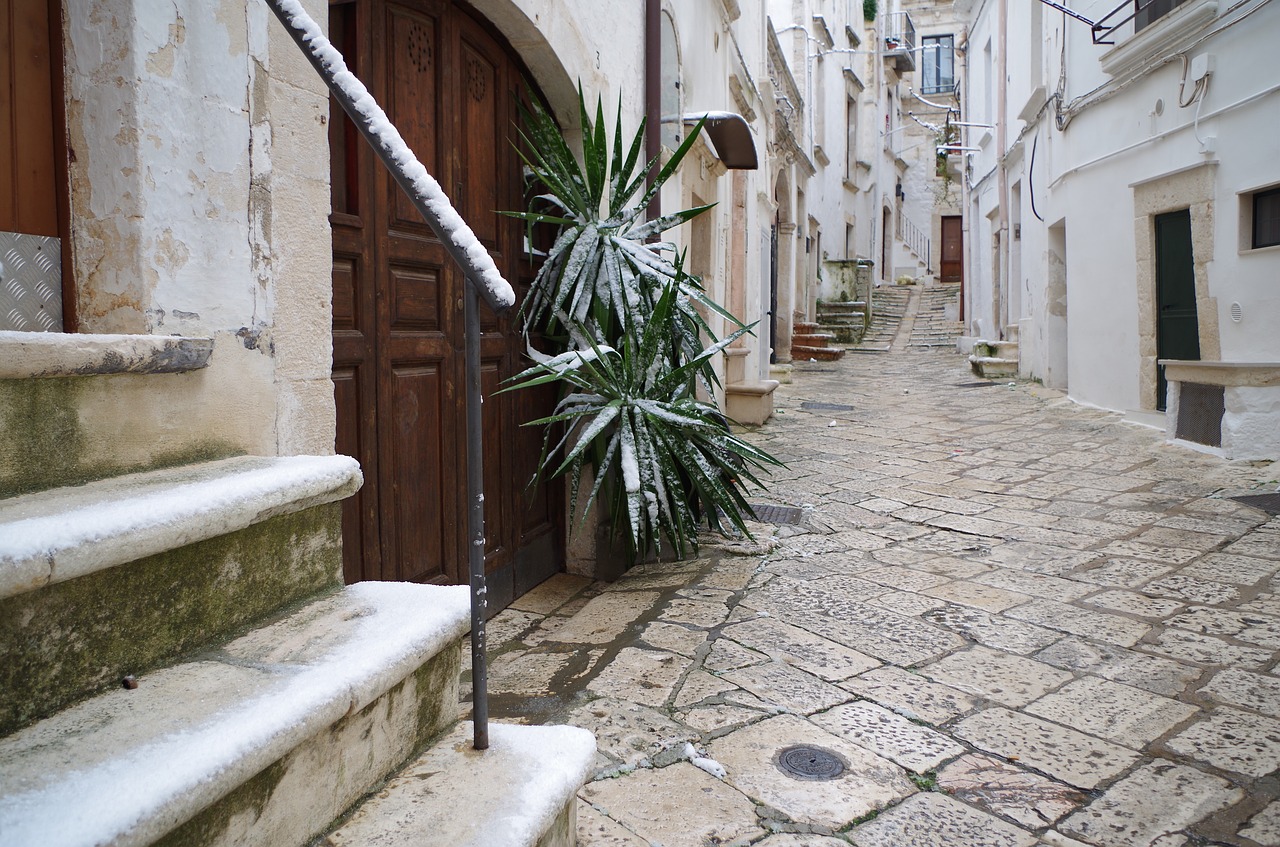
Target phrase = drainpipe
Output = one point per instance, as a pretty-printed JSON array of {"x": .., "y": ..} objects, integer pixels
[
  {"x": 1002, "y": 103},
  {"x": 653, "y": 93}
]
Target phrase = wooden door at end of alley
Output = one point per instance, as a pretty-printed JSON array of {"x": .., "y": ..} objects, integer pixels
[
  {"x": 449, "y": 83},
  {"x": 951, "y": 263}
]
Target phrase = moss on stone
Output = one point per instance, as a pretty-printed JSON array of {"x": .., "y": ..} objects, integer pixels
[
  {"x": 433, "y": 687},
  {"x": 43, "y": 445},
  {"x": 65, "y": 641}
]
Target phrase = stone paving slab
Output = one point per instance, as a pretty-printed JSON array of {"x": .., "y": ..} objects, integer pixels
[
  {"x": 1128, "y": 716},
  {"x": 927, "y": 820},
  {"x": 1264, "y": 827},
  {"x": 808, "y": 652},
  {"x": 998, "y": 676},
  {"x": 1233, "y": 741},
  {"x": 1101, "y": 626},
  {"x": 1152, "y": 673},
  {"x": 640, "y": 676},
  {"x": 787, "y": 688},
  {"x": 869, "y": 782},
  {"x": 676, "y": 806},
  {"x": 599, "y": 830},
  {"x": 1236, "y": 687},
  {"x": 912, "y": 695},
  {"x": 1126, "y": 816},
  {"x": 917, "y": 748},
  {"x": 1028, "y": 799},
  {"x": 1065, "y": 754}
]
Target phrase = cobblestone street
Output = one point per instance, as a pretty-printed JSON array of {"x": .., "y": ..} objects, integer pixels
[{"x": 1002, "y": 620}]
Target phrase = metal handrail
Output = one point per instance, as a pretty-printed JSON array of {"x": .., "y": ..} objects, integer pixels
[
  {"x": 483, "y": 278},
  {"x": 915, "y": 239}
]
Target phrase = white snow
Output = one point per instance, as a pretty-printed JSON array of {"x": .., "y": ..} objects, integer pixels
[
  {"x": 67, "y": 532},
  {"x": 448, "y": 223},
  {"x": 705, "y": 763},
  {"x": 711, "y": 766},
  {"x": 127, "y": 788}
]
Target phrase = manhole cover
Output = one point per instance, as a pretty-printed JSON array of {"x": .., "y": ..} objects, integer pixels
[
  {"x": 1269, "y": 503},
  {"x": 779, "y": 515},
  {"x": 805, "y": 762},
  {"x": 813, "y": 405}
]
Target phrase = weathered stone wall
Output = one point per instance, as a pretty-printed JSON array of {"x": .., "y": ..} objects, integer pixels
[{"x": 199, "y": 173}]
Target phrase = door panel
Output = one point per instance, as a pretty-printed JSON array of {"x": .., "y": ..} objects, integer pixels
[
  {"x": 420, "y": 534},
  {"x": 450, "y": 86},
  {"x": 951, "y": 263},
  {"x": 1177, "y": 325}
]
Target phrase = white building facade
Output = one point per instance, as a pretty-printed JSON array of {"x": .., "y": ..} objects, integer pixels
[{"x": 1123, "y": 209}]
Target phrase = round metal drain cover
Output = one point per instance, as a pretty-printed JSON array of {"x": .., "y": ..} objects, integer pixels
[{"x": 806, "y": 762}]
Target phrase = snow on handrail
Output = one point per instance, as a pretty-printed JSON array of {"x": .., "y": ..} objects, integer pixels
[{"x": 376, "y": 127}]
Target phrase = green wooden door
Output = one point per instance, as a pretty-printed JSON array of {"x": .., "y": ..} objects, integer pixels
[{"x": 1177, "y": 326}]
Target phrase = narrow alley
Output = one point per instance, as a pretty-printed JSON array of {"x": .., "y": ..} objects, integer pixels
[{"x": 976, "y": 614}]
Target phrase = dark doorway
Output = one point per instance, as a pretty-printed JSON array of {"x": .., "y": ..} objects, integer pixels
[
  {"x": 450, "y": 84},
  {"x": 951, "y": 262},
  {"x": 885, "y": 237},
  {"x": 1177, "y": 325},
  {"x": 773, "y": 293}
]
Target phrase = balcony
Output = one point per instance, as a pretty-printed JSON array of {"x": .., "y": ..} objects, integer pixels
[{"x": 900, "y": 41}]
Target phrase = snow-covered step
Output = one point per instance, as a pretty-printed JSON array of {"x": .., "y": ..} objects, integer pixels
[
  {"x": 123, "y": 575},
  {"x": 57, "y": 535},
  {"x": 518, "y": 793},
  {"x": 265, "y": 740}
]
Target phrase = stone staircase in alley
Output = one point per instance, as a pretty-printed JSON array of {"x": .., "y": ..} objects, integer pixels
[
  {"x": 810, "y": 343},
  {"x": 996, "y": 359},
  {"x": 890, "y": 308},
  {"x": 180, "y": 664},
  {"x": 845, "y": 321}
]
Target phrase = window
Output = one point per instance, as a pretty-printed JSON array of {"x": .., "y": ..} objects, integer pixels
[
  {"x": 1147, "y": 12},
  {"x": 851, "y": 143},
  {"x": 937, "y": 69},
  {"x": 1266, "y": 218}
]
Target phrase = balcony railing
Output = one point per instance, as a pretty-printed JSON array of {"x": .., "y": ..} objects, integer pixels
[
  {"x": 900, "y": 41},
  {"x": 914, "y": 237}
]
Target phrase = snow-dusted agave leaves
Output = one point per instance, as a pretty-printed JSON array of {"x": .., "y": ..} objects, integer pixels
[
  {"x": 665, "y": 449},
  {"x": 581, "y": 272}
]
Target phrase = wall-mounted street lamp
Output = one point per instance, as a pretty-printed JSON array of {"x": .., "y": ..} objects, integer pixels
[{"x": 730, "y": 136}]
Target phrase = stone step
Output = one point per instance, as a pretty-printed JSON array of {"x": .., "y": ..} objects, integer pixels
[
  {"x": 990, "y": 366},
  {"x": 520, "y": 792},
  {"x": 800, "y": 353},
  {"x": 996, "y": 349},
  {"x": 122, "y": 575},
  {"x": 803, "y": 327},
  {"x": 812, "y": 339},
  {"x": 842, "y": 307},
  {"x": 266, "y": 740}
]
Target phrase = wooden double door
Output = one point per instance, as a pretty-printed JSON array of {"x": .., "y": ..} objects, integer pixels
[{"x": 450, "y": 85}]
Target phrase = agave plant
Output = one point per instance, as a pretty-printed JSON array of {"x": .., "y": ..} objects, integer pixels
[
  {"x": 605, "y": 271},
  {"x": 632, "y": 413},
  {"x": 636, "y": 345}
]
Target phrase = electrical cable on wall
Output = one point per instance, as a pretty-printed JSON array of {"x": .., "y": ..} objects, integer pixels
[{"x": 1031, "y": 177}]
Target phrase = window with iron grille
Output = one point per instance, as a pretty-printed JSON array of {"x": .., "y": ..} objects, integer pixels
[
  {"x": 1266, "y": 218},
  {"x": 937, "y": 66}
]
